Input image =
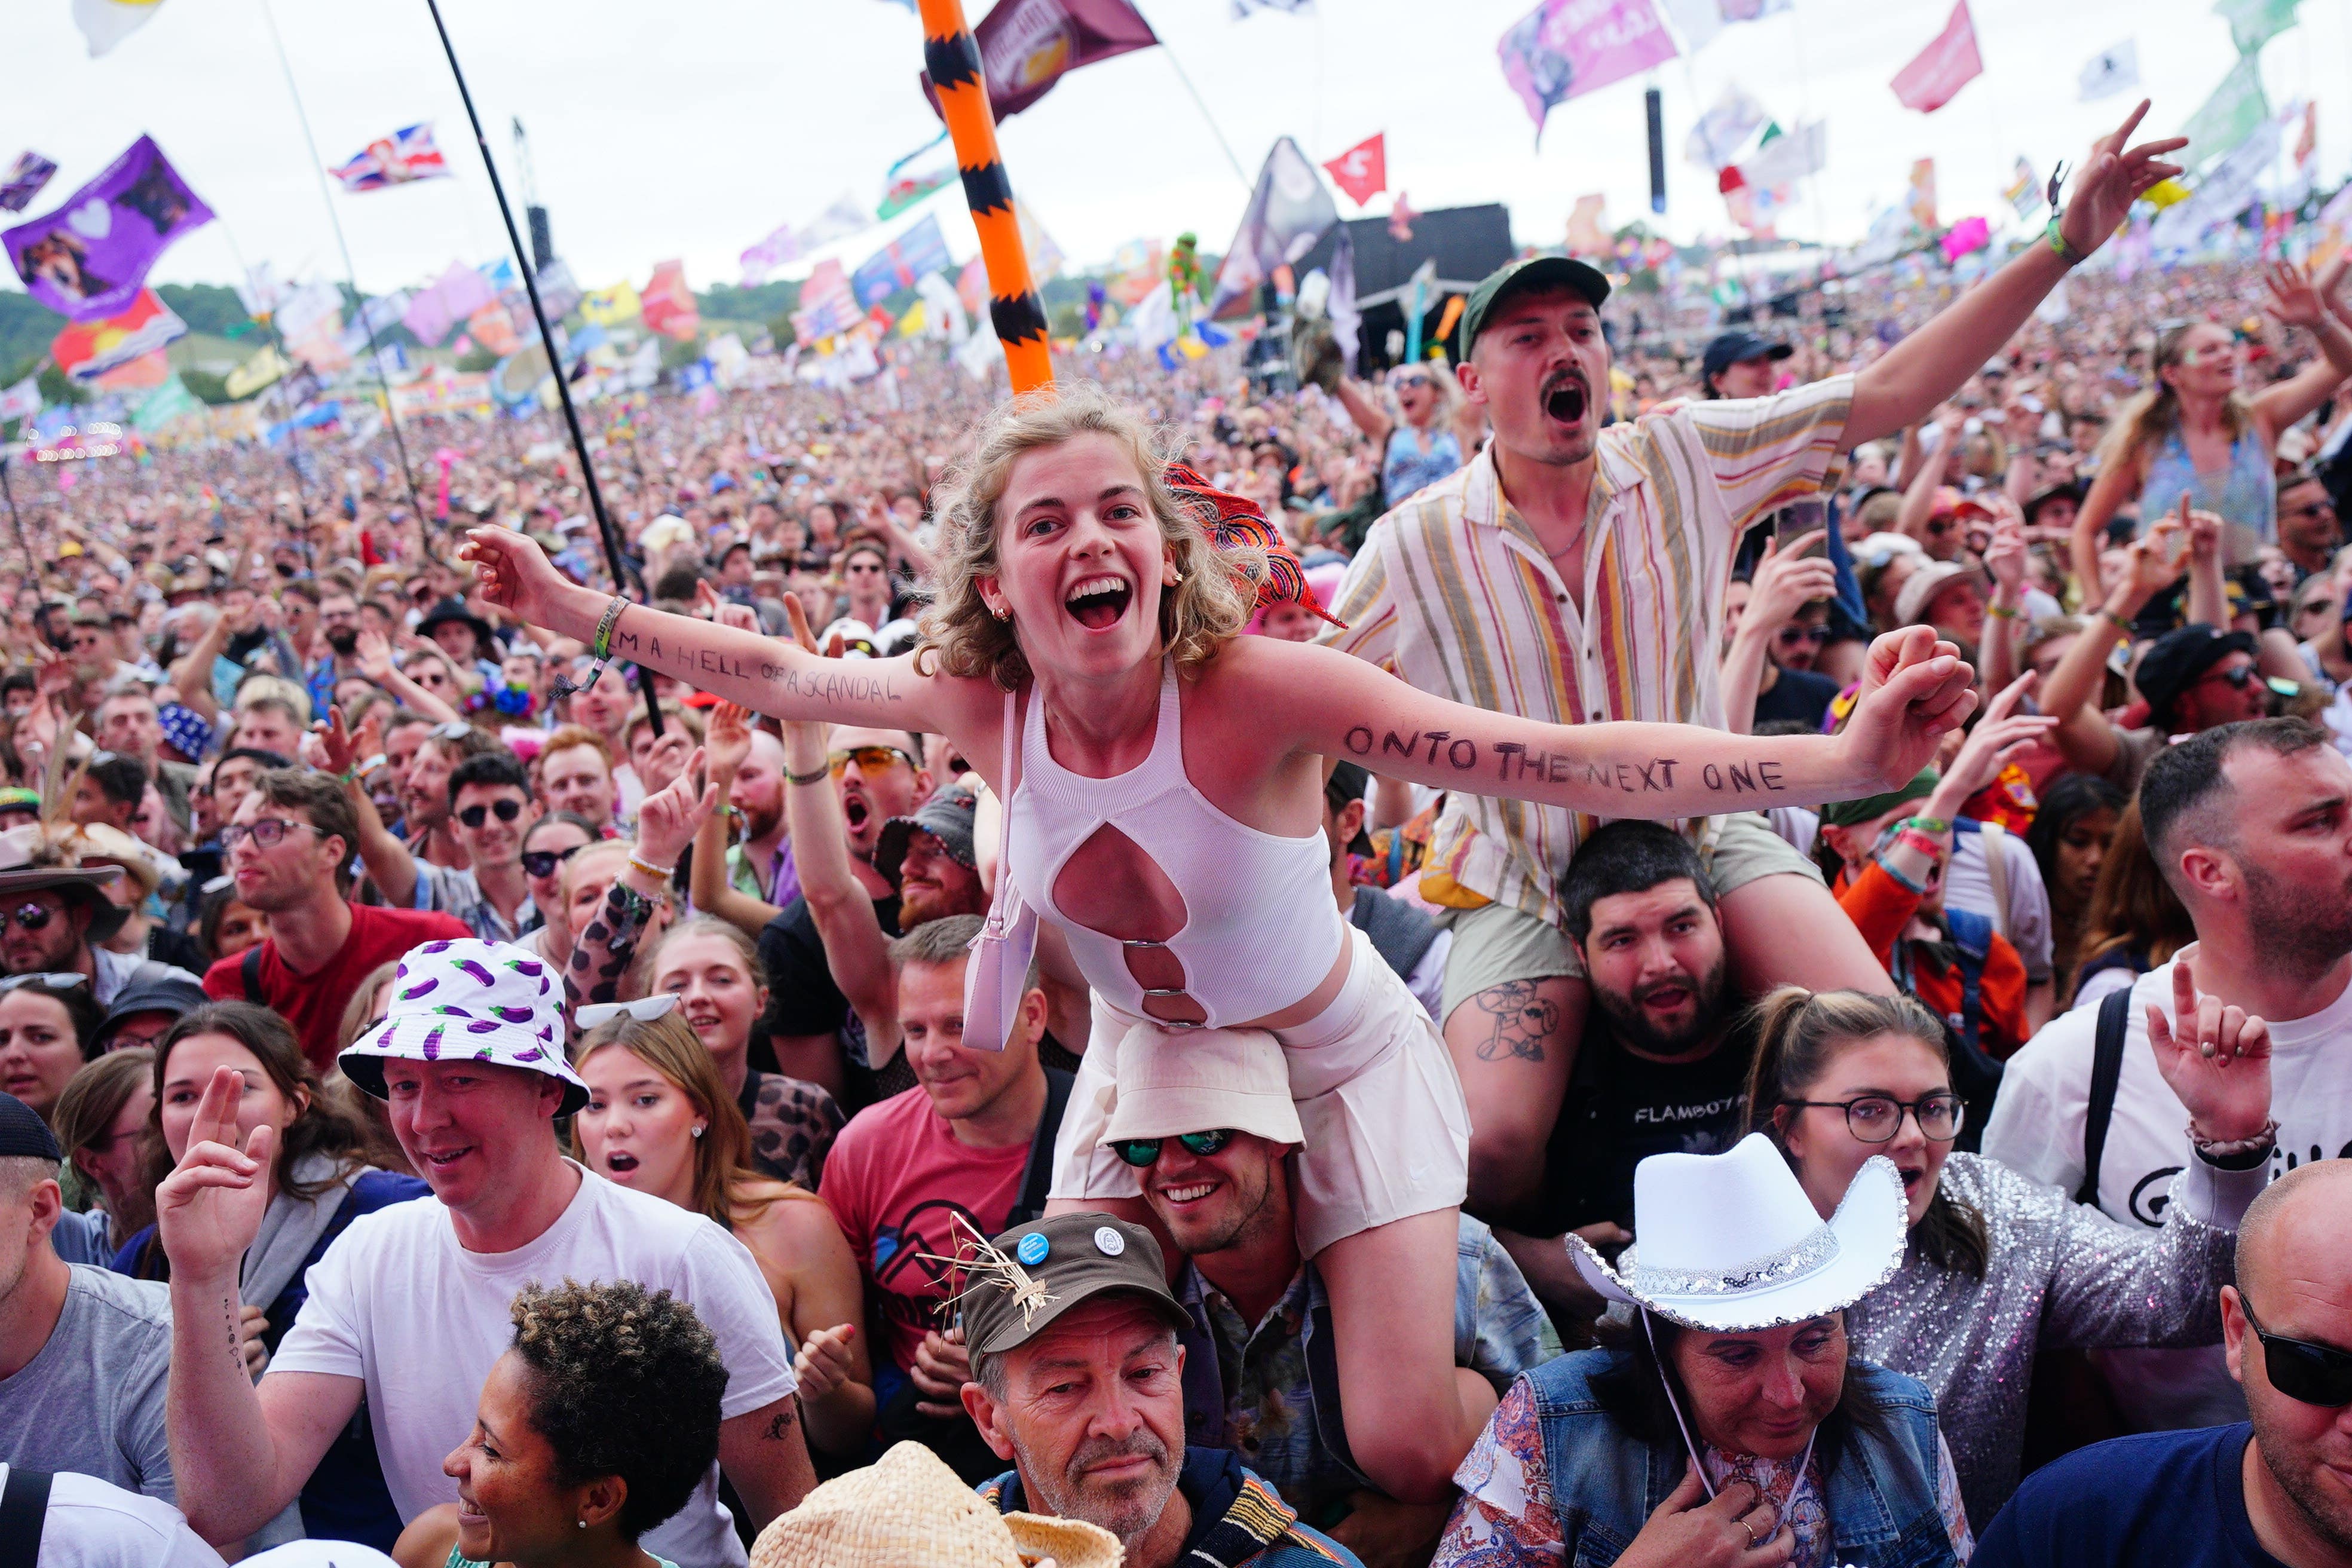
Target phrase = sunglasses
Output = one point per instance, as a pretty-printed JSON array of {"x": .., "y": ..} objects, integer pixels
[
  {"x": 508, "y": 810},
  {"x": 1792, "y": 635},
  {"x": 869, "y": 759},
  {"x": 2303, "y": 1372},
  {"x": 645, "y": 1010},
  {"x": 542, "y": 863},
  {"x": 2237, "y": 679},
  {"x": 266, "y": 834},
  {"x": 1143, "y": 1153},
  {"x": 56, "y": 982}
]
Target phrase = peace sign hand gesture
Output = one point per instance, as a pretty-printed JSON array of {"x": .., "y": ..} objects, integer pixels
[
  {"x": 209, "y": 1209},
  {"x": 2112, "y": 179}
]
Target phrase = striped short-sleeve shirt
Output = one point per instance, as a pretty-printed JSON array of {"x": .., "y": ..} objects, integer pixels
[{"x": 1453, "y": 593}]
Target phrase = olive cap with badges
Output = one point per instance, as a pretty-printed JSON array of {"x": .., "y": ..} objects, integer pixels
[{"x": 1016, "y": 1285}]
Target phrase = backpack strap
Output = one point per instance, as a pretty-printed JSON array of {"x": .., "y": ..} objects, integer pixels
[
  {"x": 1997, "y": 872},
  {"x": 249, "y": 972},
  {"x": 2106, "y": 1072},
  {"x": 1038, "y": 1176},
  {"x": 24, "y": 1511}
]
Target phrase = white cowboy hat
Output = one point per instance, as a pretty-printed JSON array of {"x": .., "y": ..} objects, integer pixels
[{"x": 1729, "y": 1243}]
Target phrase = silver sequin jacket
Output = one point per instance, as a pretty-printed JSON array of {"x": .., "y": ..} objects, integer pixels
[{"x": 2061, "y": 1276}]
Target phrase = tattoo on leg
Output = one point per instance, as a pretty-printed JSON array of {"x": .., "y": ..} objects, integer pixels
[{"x": 1522, "y": 1020}]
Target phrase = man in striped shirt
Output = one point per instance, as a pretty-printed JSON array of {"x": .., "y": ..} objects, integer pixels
[{"x": 1577, "y": 575}]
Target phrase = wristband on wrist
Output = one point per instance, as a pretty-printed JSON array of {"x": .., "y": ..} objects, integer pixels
[
  {"x": 2237, "y": 1153},
  {"x": 1912, "y": 839},
  {"x": 1904, "y": 882},
  {"x": 2121, "y": 624},
  {"x": 2003, "y": 611},
  {"x": 659, "y": 873},
  {"x": 2063, "y": 247},
  {"x": 816, "y": 774},
  {"x": 1928, "y": 824}
]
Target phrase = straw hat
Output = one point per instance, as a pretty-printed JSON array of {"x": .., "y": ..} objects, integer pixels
[{"x": 910, "y": 1511}]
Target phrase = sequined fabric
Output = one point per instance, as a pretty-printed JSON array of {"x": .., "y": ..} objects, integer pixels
[{"x": 2060, "y": 1275}]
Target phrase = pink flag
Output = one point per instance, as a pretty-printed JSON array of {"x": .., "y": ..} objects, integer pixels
[
  {"x": 1362, "y": 171},
  {"x": 1971, "y": 234},
  {"x": 1944, "y": 66},
  {"x": 1564, "y": 48}
]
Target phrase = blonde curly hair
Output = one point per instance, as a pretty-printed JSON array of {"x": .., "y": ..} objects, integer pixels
[{"x": 1216, "y": 589}]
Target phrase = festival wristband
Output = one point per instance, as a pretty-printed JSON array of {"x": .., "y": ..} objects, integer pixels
[
  {"x": 602, "y": 648},
  {"x": 1913, "y": 840},
  {"x": 2121, "y": 624},
  {"x": 2063, "y": 247},
  {"x": 816, "y": 774},
  {"x": 1906, "y": 883},
  {"x": 659, "y": 873},
  {"x": 2239, "y": 1153},
  {"x": 1928, "y": 824},
  {"x": 2001, "y": 611}
]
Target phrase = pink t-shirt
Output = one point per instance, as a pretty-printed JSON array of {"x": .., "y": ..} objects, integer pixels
[{"x": 896, "y": 1179}]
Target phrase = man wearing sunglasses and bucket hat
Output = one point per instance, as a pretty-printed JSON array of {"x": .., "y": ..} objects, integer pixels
[
  {"x": 2274, "y": 1490},
  {"x": 1724, "y": 1420},
  {"x": 411, "y": 1309}
]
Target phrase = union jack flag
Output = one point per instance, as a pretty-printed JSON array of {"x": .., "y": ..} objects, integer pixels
[{"x": 408, "y": 154}]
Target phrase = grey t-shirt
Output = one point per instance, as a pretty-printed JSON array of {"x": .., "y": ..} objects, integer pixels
[{"x": 91, "y": 1401}]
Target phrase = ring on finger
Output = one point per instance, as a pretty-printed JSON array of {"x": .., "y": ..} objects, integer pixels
[{"x": 1753, "y": 1541}]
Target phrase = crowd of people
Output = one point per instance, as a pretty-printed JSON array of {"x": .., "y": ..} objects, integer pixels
[{"x": 1623, "y": 945}]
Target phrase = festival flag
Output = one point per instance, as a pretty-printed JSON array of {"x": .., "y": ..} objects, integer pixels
[
  {"x": 1782, "y": 161},
  {"x": 2232, "y": 184},
  {"x": 828, "y": 307},
  {"x": 793, "y": 242},
  {"x": 1362, "y": 171},
  {"x": 405, "y": 157},
  {"x": 1719, "y": 134},
  {"x": 1923, "y": 195},
  {"x": 24, "y": 179},
  {"x": 610, "y": 307},
  {"x": 1698, "y": 21},
  {"x": 168, "y": 401},
  {"x": 310, "y": 311},
  {"x": 1400, "y": 216},
  {"x": 257, "y": 373},
  {"x": 86, "y": 350},
  {"x": 21, "y": 401},
  {"x": 2108, "y": 72},
  {"x": 491, "y": 327},
  {"x": 2253, "y": 23},
  {"x": 2023, "y": 191},
  {"x": 258, "y": 291},
  {"x": 897, "y": 265},
  {"x": 1944, "y": 66},
  {"x": 1027, "y": 46},
  {"x": 907, "y": 190},
  {"x": 376, "y": 316},
  {"x": 1287, "y": 213},
  {"x": 1566, "y": 48},
  {"x": 2236, "y": 111},
  {"x": 2165, "y": 192},
  {"x": 88, "y": 259},
  {"x": 1968, "y": 235},
  {"x": 459, "y": 292},
  {"x": 667, "y": 305},
  {"x": 106, "y": 22},
  {"x": 1046, "y": 257},
  {"x": 1587, "y": 229},
  {"x": 971, "y": 283},
  {"x": 944, "y": 315},
  {"x": 557, "y": 291}
]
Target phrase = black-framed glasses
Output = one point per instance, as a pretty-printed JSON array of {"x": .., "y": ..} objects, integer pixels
[
  {"x": 2303, "y": 1372},
  {"x": 542, "y": 863},
  {"x": 476, "y": 814},
  {"x": 55, "y": 980},
  {"x": 1143, "y": 1153},
  {"x": 1878, "y": 1117},
  {"x": 266, "y": 834},
  {"x": 869, "y": 759},
  {"x": 1792, "y": 635}
]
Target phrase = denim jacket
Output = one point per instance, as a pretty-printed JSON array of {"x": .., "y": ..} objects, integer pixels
[{"x": 1881, "y": 1494}]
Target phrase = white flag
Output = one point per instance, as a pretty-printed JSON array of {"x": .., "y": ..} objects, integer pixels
[
  {"x": 21, "y": 401},
  {"x": 1785, "y": 160},
  {"x": 2110, "y": 71},
  {"x": 1723, "y": 130}
]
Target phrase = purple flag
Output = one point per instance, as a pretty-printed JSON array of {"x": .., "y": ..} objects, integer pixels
[
  {"x": 89, "y": 258},
  {"x": 24, "y": 179},
  {"x": 432, "y": 311},
  {"x": 1564, "y": 48}
]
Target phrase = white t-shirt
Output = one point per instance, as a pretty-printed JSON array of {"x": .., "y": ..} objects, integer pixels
[
  {"x": 96, "y": 1524},
  {"x": 2037, "y": 1127},
  {"x": 398, "y": 1302}
]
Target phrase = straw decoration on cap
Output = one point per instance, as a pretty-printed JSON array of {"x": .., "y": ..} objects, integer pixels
[
  {"x": 909, "y": 1511},
  {"x": 988, "y": 1264}
]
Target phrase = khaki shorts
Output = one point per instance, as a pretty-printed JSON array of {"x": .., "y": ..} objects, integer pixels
[{"x": 1496, "y": 944}]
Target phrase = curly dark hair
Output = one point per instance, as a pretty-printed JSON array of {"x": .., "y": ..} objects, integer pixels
[{"x": 624, "y": 1382}]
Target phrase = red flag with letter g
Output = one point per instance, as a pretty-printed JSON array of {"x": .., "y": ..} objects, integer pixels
[{"x": 1362, "y": 171}]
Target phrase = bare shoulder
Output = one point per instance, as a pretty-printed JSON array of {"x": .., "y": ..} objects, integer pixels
[
  {"x": 429, "y": 1539},
  {"x": 775, "y": 1215}
]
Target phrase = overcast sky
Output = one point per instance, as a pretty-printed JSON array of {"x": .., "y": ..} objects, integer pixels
[{"x": 689, "y": 127}]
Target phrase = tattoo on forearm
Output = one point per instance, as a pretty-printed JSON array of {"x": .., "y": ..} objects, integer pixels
[
  {"x": 686, "y": 662},
  {"x": 1513, "y": 763},
  {"x": 236, "y": 1345},
  {"x": 1522, "y": 1020},
  {"x": 779, "y": 1426}
]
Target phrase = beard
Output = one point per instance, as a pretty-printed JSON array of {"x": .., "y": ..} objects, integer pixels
[
  {"x": 1127, "y": 1510},
  {"x": 2304, "y": 934},
  {"x": 1633, "y": 1026},
  {"x": 344, "y": 641}
]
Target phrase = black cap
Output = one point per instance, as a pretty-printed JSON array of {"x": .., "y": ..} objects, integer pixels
[
  {"x": 1528, "y": 272},
  {"x": 1736, "y": 347},
  {"x": 2176, "y": 661},
  {"x": 24, "y": 1136},
  {"x": 1039, "y": 1271},
  {"x": 946, "y": 816},
  {"x": 1347, "y": 782},
  {"x": 173, "y": 991},
  {"x": 2070, "y": 490}
]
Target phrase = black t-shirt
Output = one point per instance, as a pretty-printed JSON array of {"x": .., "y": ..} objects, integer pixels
[
  {"x": 1798, "y": 694},
  {"x": 801, "y": 997},
  {"x": 1621, "y": 1109},
  {"x": 2174, "y": 1498}
]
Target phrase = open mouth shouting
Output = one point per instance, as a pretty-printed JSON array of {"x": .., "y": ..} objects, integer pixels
[
  {"x": 1565, "y": 397},
  {"x": 620, "y": 1165},
  {"x": 856, "y": 811},
  {"x": 1098, "y": 602}
]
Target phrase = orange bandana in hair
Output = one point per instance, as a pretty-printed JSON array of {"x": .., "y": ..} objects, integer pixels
[{"x": 1236, "y": 522}]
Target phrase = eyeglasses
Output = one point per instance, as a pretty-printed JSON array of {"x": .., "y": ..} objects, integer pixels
[
  {"x": 55, "y": 981},
  {"x": 1143, "y": 1153},
  {"x": 542, "y": 863},
  {"x": 869, "y": 759},
  {"x": 266, "y": 834},
  {"x": 1792, "y": 635},
  {"x": 863, "y": 567},
  {"x": 2236, "y": 677},
  {"x": 475, "y": 816},
  {"x": 2316, "y": 509},
  {"x": 645, "y": 1010},
  {"x": 1878, "y": 1117},
  {"x": 1402, "y": 382},
  {"x": 2303, "y": 1372}
]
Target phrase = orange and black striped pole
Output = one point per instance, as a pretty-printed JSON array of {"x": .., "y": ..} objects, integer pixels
[{"x": 952, "y": 57}]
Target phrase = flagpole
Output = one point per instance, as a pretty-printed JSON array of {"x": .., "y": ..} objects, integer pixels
[
  {"x": 1198, "y": 102},
  {"x": 32, "y": 566},
  {"x": 554, "y": 359},
  {"x": 375, "y": 354}
]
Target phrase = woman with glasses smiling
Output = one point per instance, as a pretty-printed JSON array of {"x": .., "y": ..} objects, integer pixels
[{"x": 1998, "y": 1267}]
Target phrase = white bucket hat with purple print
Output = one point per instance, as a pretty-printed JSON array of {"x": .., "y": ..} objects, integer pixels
[{"x": 465, "y": 1000}]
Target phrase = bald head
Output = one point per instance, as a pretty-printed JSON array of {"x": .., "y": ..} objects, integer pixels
[{"x": 2305, "y": 1216}]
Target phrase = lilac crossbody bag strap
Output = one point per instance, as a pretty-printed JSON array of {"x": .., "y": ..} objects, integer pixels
[{"x": 1000, "y": 955}]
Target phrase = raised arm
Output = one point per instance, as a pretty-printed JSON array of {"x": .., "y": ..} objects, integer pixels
[
  {"x": 1784, "y": 583},
  {"x": 1914, "y": 690},
  {"x": 855, "y": 951},
  {"x": 388, "y": 864},
  {"x": 2295, "y": 300},
  {"x": 1357, "y": 399},
  {"x": 1933, "y": 363},
  {"x": 376, "y": 663}
]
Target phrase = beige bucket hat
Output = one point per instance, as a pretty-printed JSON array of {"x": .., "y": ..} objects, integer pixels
[{"x": 910, "y": 1511}]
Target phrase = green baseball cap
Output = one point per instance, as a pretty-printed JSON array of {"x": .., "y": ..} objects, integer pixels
[
  {"x": 1025, "y": 1279},
  {"x": 1529, "y": 273}
]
